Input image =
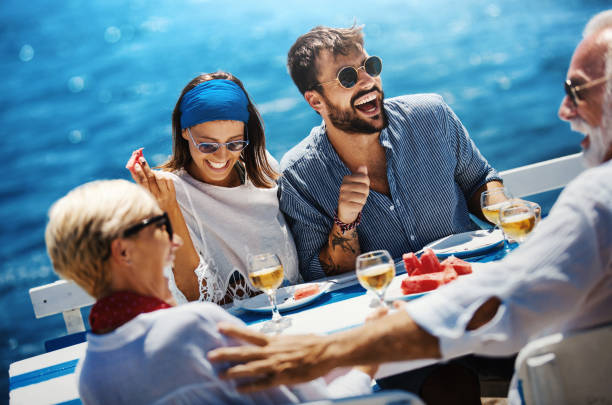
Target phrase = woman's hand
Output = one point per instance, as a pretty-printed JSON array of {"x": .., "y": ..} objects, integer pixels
[{"x": 158, "y": 183}]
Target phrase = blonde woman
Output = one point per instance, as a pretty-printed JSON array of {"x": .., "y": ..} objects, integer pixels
[{"x": 113, "y": 240}]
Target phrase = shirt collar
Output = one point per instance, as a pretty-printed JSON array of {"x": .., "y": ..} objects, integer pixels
[{"x": 384, "y": 138}]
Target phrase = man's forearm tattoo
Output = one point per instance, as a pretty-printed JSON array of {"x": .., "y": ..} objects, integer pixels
[
  {"x": 329, "y": 267},
  {"x": 345, "y": 243},
  {"x": 348, "y": 244}
]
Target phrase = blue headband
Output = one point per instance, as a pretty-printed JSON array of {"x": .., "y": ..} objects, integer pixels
[{"x": 214, "y": 100}]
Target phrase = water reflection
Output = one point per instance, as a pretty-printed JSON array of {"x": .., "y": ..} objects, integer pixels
[
  {"x": 76, "y": 84},
  {"x": 26, "y": 53},
  {"x": 112, "y": 34}
]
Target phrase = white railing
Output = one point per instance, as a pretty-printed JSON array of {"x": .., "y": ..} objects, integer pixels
[
  {"x": 67, "y": 298},
  {"x": 542, "y": 176}
]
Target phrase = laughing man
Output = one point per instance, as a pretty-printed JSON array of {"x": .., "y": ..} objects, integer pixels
[{"x": 390, "y": 174}]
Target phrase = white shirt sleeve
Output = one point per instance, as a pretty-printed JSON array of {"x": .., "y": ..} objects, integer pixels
[{"x": 559, "y": 279}]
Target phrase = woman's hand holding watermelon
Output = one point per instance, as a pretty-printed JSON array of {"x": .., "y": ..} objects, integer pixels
[{"x": 158, "y": 183}]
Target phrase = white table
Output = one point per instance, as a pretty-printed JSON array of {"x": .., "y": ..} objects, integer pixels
[{"x": 49, "y": 378}]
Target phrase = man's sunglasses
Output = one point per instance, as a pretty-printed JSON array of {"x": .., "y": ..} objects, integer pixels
[
  {"x": 162, "y": 219},
  {"x": 348, "y": 76},
  {"x": 572, "y": 90},
  {"x": 212, "y": 147}
]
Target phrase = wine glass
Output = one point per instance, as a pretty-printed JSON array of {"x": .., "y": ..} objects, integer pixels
[
  {"x": 266, "y": 273},
  {"x": 375, "y": 270},
  {"x": 517, "y": 219},
  {"x": 491, "y": 201},
  {"x": 537, "y": 210}
]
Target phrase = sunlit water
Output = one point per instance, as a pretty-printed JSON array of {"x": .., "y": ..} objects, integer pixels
[{"x": 84, "y": 83}]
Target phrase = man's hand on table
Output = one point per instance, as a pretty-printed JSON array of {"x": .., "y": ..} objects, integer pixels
[
  {"x": 293, "y": 359},
  {"x": 273, "y": 360}
]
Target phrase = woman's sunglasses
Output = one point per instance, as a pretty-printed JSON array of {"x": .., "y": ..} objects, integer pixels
[
  {"x": 572, "y": 90},
  {"x": 162, "y": 219},
  {"x": 348, "y": 76},
  {"x": 212, "y": 147}
]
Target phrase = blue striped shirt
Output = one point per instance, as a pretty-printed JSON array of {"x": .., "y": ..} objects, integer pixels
[{"x": 433, "y": 167}]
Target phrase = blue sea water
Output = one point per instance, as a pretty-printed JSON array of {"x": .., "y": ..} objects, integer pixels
[{"x": 85, "y": 83}]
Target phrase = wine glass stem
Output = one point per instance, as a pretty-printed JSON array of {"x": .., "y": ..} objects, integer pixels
[
  {"x": 381, "y": 299},
  {"x": 506, "y": 244},
  {"x": 276, "y": 316}
]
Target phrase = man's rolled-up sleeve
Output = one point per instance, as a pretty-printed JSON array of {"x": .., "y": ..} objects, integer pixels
[{"x": 472, "y": 170}]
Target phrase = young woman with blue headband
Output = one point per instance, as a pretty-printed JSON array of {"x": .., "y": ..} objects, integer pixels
[{"x": 219, "y": 190}]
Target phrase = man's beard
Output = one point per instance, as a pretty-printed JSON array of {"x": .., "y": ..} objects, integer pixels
[
  {"x": 348, "y": 121},
  {"x": 600, "y": 138}
]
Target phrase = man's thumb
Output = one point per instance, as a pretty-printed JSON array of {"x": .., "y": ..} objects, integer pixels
[{"x": 362, "y": 169}]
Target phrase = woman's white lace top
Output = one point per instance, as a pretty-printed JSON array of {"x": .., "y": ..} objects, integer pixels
[{"x": 226, "y": 224}]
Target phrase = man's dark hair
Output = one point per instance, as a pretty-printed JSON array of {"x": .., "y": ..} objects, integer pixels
[{"x": 303, "y": 54}]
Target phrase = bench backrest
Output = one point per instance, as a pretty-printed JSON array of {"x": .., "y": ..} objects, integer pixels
[
  {"x": 63, "y": 297},
  {"x": 543, "y": 176}
]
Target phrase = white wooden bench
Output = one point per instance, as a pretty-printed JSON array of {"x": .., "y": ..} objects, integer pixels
[
  {"x": 542, "y": 176},
  {"x": 63, "y": 297},
  {"x": 67, "y": 298}
]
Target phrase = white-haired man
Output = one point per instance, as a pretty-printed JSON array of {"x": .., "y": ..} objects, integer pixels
[{"x": 558, "y": 280}]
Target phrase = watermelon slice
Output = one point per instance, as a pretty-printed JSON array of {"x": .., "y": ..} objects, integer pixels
[
  {"x": 305, "y": 291},
  {"x": 449, "y": 274},
  {"x": 426, "y": 282},
  {"x": 422, "y": 283},
  {"x": 411, "y": 262},
  {"x": 429, "y": 263},
  {"x": 427, "y": 273},
  {"x": 134, "y": 159},
  {"x": 460, "y": 266}
]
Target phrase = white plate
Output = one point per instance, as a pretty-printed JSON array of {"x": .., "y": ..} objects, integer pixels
[
  {"x": 394, "y": 291},
  {"x": 468, "y": 243},
  {"x": 284, "y": 299}
]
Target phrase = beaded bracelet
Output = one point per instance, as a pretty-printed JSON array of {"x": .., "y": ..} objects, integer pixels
[{"x": 347, "y": 227}]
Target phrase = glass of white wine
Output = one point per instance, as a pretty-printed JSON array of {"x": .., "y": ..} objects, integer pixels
[
  {"x": 537, "y": 210},
  {"x": 375, "y": 270},
  {"x": 266, "y": 273},
  {"x": 517, "y": 219},
  {"x": 491, "y": 201}
]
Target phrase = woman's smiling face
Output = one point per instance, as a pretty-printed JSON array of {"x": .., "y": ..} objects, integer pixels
[{"x": 215, "y": 168}]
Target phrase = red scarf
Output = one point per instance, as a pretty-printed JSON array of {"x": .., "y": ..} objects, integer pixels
[{"x": 118, "y": 308}]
